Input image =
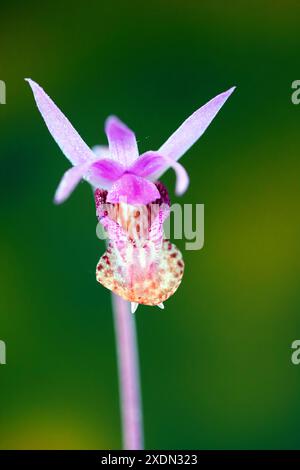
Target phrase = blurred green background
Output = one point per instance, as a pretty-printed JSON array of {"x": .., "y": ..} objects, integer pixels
[{"x": 215, "y": 364}]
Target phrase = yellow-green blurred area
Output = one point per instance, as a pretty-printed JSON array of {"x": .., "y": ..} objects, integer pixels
[{"x": 216, "y": 363}]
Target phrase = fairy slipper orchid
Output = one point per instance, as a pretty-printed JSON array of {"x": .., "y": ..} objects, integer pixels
[{"x": 139, "y": 265}]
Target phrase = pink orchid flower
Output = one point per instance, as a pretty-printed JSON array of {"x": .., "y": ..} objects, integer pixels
[
  {"x": 119, "y": 168},
  {"x": 138, "y": 265}
]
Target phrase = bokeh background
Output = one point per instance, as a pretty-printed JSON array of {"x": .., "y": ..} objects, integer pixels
[{"x": 216, "y": 363}]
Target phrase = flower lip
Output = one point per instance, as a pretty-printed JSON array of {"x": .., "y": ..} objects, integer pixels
[
  {"x": 139, "y": 225},
  {"x": 101, "y": 202}
]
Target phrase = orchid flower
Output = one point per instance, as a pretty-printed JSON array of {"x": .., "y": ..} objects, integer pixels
[
  {"x": 139, "y": 265},
  {"x": 119, "y": 170}
]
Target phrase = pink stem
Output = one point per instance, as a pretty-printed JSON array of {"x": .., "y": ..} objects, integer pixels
[{"x": 129, "y": 380}]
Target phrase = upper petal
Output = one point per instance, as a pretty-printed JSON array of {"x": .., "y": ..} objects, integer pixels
[
  {"x": 122, "y": 141},
  {"x": 68, "y": 139},
  {"x": 133, "y": 190},
  {"x": 190, "y": 131}
]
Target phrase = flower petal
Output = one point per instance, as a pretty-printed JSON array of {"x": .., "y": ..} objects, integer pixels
[
  {"x": 69, "y": 181},
  {"x": 190, "y": 131},
  {"x": 99, "y": 174},
  {"x": 182, "y": 178},
  {"x": 104, "y": 170},
  {"x": 147, "y": 164},
  {"x": 151, "y": 163},
  {"x": 70, "y": 142},
  {"x": 133, "y": 190},
  {"x": 122, "y": 141}
]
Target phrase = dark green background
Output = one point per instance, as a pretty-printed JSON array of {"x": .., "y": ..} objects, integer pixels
[{"x": 216, "y": 368}]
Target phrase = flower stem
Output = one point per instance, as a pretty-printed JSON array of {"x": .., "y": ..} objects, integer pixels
[{"x": 129, "y": 379}]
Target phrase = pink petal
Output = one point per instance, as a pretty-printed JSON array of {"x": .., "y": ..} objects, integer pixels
[
  {"x": 69, "y": 181},
  {"x": 133, "y": 190},
  {"x": 122, "y": 141},
  {"x": 147, "y": 164},
  {"x": 182, "y": 178},
  {"x": 100, "y": 174},
  {"x": 70, "y": 142},
  {"x": 190, "y": 131},
  {"x": 104, "y": 170},
  {"x": 151, "y": 163}
]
